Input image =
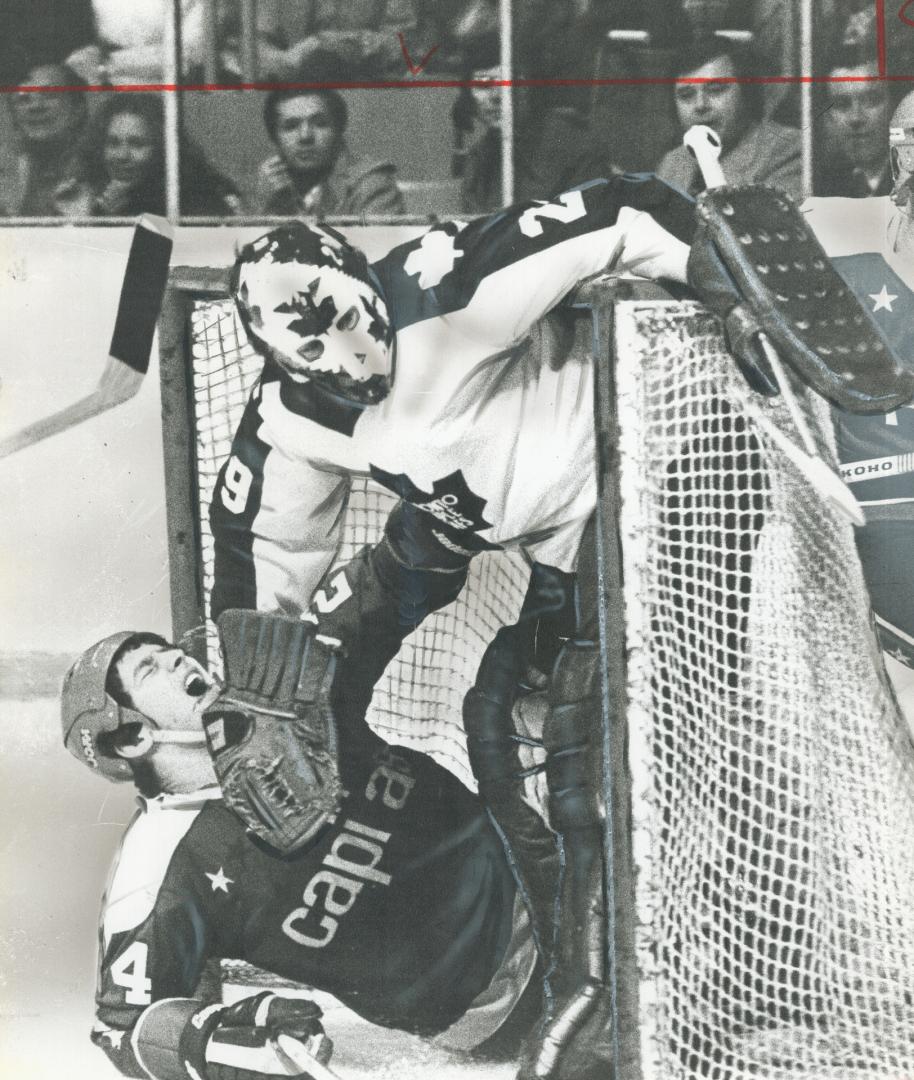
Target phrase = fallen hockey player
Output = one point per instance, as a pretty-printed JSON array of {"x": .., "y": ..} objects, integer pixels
[{"x": 397, "y": 896}]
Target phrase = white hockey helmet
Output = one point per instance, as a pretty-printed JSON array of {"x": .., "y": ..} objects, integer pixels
[
  {"x": 901, "y": 150},
  {"x": 309, "y": 301}
]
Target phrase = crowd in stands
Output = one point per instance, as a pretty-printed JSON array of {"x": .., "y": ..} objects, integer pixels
[{"x": 98, "y": 155}]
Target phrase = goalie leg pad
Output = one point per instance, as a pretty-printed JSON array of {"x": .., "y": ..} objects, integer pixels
[
  {"x": 494, "y": 758},
  {"x": 756, "y": 263},
  {"x": 573, "y": 738},
  {"x": 569, "y": 1043}
]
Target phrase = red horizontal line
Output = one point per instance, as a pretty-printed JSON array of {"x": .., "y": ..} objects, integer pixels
[{"x": 446, "y": 84}]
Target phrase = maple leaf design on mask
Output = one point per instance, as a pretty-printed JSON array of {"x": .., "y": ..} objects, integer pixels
[
  {"x": 315, "y": 319},
  {"x": 285, "y": 246},
  {"x": 379, "y": 327}
]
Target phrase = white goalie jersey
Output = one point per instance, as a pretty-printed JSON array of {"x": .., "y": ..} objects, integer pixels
[{"x": 489, "y": 425}]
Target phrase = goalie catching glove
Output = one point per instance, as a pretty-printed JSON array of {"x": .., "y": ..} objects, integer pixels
[
  {"x": 271, "y": 732},
  {"x": 757, "y": 265},
  {"x": 266, "y": 1037}
]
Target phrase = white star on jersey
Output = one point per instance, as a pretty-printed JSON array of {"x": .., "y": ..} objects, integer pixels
[
  {"x": 434, "y": 260},
  {"x": 882, "y": 301},
  {"x": 114, "y": 1037},
  {"x": 219, "y": 881}
]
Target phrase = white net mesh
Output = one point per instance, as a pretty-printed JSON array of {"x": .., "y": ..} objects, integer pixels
[
  {"x": 418, "y": 702},
  {"x": 773, "y": 776}
]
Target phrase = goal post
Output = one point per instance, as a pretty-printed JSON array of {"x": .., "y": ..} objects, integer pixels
[
  {"x": 759, "y": 779},
  {"x": 188, "y": 287},
  {"x": 596, "y": 304}
]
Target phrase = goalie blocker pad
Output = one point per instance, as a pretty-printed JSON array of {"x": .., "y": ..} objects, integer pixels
[
  {"x": 757, "y": 264},
  {"x": 271, "y": 732}
]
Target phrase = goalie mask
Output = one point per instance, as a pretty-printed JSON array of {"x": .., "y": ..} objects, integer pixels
[
  {"x": 309, "y": 301},
  {"x": 97, "y": 730}
]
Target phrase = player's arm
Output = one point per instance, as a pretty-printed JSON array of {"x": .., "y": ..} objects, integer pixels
[
  {"x": 493, "y": 278},
  {"x": 274, "y": 516},
  {"x": 258, "y": 1038},
  {"x": 375, "y": 601},
  {"x": 145, "y": 956},
  {"x": 150, "y": 1026}
]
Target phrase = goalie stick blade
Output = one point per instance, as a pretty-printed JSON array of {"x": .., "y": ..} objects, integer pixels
[
  {"x": 118, "y": 383},
  {"x": 142, "y": 292},
  {"x": 138, "y": 309}
]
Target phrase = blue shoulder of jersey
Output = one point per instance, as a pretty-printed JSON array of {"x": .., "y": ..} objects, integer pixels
[
  {"x": 439, "y": 272},
  {"x": 885, "y": 296},
  {"x": 871, "y": 441}
]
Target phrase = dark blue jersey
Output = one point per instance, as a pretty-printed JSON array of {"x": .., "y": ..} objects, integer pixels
[
  {"x": 876, "y": 454},
  {"x": 402, "y": 908},
  {"x": 877, "y": 460}
]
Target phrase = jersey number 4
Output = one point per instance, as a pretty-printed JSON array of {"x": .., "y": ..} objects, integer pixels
[{"x": 129, "y": 971}]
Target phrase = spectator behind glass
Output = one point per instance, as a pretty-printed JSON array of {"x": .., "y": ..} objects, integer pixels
[
  {"x": 355, "y": 40},
  {"x": 553, "y": 146},
  {"x": 124, "y": 166},
  {"x": 41, "y": 31},
  {"x": 129, "y": 39},
  {"x": 45, "y": 160},
  {"x": 360, "y": 37},
  {"x": 755, "y": 150},
  {"x": 857, "y": 20},
  {"x": 853, "y": 158},
  {"x": 476, "y": 117},
  {"x": 314, "y": 172},
  {"x": 901, "y": 224}
]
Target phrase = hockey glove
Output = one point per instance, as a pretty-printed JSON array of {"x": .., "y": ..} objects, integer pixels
[
  {"x": 271, "y": 732},
  {"x": 757, "y": 265},
  {"x": 259, "y": 1038}
]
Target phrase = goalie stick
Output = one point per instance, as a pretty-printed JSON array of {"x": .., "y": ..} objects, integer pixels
[
  {"x": 705, "y": 146},
  {"x": 296, "y": 1059},
  {"x": 138, "y": 310}
]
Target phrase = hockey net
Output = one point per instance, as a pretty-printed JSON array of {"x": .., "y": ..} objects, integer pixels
[
  {"x": 768, "y": 774},
  {"x": 772, "y": 775}
]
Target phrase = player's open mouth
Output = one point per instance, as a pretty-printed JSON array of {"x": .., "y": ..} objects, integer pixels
[{"x": 195, "y": 684}]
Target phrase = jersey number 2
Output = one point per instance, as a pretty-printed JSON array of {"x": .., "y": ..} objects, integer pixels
[
  {"x": 129, "y": 971},
  {"x": 566, "y": 208}
]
